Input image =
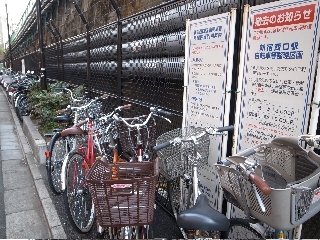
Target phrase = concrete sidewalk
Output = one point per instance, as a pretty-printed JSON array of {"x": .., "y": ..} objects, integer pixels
[{"x": 28, "y": 208}]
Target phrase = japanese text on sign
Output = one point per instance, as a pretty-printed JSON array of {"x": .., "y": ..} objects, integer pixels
[{"x": 296, "y": 15}]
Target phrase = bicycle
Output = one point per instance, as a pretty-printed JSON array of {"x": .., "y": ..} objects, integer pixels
[
  {"x": 259, "y": 182},
  {"x": 65, "y": 140},
  {"x": 124, "y": 200},
  {"x": 181, "y": 151},
  {"x": 291, "y": 170},
  {"x": 75, "y": 167}
]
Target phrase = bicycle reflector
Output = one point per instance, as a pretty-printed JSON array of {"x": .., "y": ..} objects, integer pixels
[{"x": 47, "y": 153}]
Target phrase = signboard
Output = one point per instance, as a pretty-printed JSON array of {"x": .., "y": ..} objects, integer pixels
[
  {"x": 280, "y": 61},
  {"x": 205, "y": 79}
]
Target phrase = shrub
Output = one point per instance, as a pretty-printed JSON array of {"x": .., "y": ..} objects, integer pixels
[{"x": 43, "y": 104}]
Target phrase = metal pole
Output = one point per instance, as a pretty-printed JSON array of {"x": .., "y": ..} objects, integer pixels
[
  {"x": 43, "y": 79},
  {"x": 88, "y": 44},
  {"x": 10, "y": 50},
  {"x": 61, "y": 47},
  {"x": 119, "y": 51},
  {"x": 56, "y": 38}
]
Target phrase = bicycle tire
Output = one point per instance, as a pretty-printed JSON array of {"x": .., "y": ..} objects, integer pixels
[
  {"x": 23, "y": 106},
  {"x": 77, "y": 198},
  {"x": 129, "y": 232},
  {"x": 58, "y": 151},
  {"x": 20, "y": 106},
  {"x": 240, "y": 228}
]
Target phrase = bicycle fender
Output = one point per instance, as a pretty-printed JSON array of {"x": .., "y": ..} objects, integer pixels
[
  {"x": 49, "y": 148},
  {"x": 71, "y": 131},
  {"x": 64, "y": 171},
  {"x": 18, "y": 99}
]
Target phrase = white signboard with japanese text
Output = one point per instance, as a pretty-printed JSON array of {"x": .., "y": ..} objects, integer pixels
[
  {"x": 205, "y": 79},
  {"x": 280, "y": 62}
]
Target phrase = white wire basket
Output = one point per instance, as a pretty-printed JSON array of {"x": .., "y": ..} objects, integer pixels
[
  {"x": 291, "y": 172},
  {"x": 176, "y": 160}
]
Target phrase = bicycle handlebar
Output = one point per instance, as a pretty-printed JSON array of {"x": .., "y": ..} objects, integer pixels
[
  {"x": 154, "y": 111},
  {"x": 311, "y": 140},
  {"x": 177, "y": 140},
  {"x": 88, "y": 104},
  {"x": 248, "y": 153},
  {"x": 71, "y": 94},
  {"x": 162, "y": 145},
  {"x": 226, "y": 128},
  {"x": 109, "y": 119}
]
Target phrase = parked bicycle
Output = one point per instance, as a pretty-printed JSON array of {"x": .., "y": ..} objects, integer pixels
[
  {"x": 275, "y": 184},
  {"x": 291, "y": 169},
  {"x": 76, "y": 164},
  {"x": 124, "y": 201},
  {"x": 63, "y": 141},
  {"x": 181, "y": 151}
]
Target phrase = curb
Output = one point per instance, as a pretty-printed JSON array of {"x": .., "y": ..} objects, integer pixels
[{"x": 56, "y": 230}]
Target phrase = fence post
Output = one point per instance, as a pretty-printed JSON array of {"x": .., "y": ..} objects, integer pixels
[
  {"x": 43, "y": 79},
  {"x": 119, "y": 51},
  {"x": 9, "y": 41},
  {"x": 61, "y": 47},
  {"x": 56, "y": 37},
  {"x": 88, "y": 44}
]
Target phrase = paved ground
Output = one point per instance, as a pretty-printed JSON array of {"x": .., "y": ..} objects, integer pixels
[{"x": 21, "y": 214}]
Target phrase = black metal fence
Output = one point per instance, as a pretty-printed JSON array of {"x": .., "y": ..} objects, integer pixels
[{"x": 132, "y": 50}]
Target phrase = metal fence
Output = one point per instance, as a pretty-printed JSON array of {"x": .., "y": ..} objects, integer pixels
[{"x": 132, "y": 50}]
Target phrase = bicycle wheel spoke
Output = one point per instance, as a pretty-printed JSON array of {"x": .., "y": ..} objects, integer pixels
[
  {"x": 58, "y": 153},
  {"x": 77, "y": 196}
]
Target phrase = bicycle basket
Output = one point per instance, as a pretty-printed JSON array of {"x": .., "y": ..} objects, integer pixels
[
  {"x": 124, "y": 193},
  {"x": 128, "y": 136},
  {"x": 178, "y": 159},
  {"x": 291, "y": 172}
]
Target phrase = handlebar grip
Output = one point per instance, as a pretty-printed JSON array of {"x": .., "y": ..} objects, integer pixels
[
  {"x": 104, "y": 96},
  {"x": 165, "y": 112},
  {"x": 161, "y": 146},
  {"x": 247, "y": 153},
  {"x": 126, "y": 106},
  {"x": 226, "y": 128},
  {"x": 260, "y": 183}
]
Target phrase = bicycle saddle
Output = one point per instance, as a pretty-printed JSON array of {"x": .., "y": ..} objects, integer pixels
[
  {"x": 203, "y": 217},
  {"x": 63, "y": 118}
]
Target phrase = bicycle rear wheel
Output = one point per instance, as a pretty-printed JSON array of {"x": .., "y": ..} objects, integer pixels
[
  {"x": 240, "y": 229},
  {"x": 180, "y": 195},
  {"x": 77, "y": 198}
]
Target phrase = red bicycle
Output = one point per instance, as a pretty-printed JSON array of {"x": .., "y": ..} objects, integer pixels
[{"x": 76, "y": 195}]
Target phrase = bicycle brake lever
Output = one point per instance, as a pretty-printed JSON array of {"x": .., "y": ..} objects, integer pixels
[{"x": 162, "y": 117}]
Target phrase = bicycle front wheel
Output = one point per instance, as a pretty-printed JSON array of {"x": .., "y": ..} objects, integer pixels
[
  {"x": 77, "y": 198},
  {"x": 129, "y": 232},
  {"x": 241, "y": 229},
  {"x": 58, "y": 149},
  {"x": 23, "y": 106}
]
